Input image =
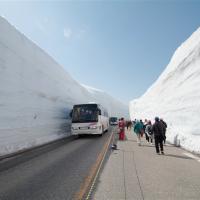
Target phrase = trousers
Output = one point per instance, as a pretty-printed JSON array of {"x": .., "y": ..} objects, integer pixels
[
  {"x": 121, "y": 135},
  {"x": 158, "y": 143}
]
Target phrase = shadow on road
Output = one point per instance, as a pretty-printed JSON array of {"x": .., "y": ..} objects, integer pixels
[
  {"x": 146, "y": 145},
  {"x": 169, "y": 145},
  {"x": 178, "y": 156},
  {"x": 89, "y": 136}
]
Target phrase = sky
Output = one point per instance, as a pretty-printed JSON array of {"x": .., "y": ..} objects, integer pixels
[{"x": 120, "y": 47}]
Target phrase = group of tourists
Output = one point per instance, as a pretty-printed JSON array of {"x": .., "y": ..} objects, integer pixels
[{"x": 154, "y": 133}]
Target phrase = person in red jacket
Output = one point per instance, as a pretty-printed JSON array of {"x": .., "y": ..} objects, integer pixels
[{"x": 122, "y": 129}]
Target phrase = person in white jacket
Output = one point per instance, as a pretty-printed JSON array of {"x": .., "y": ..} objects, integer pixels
[{"x": 149, "y": 132}]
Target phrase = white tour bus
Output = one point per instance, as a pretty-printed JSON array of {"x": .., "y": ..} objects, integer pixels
[{"x": 89, "y": 118}]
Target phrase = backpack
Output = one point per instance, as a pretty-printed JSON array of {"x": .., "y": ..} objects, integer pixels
[{"x": 149, "y": 130}]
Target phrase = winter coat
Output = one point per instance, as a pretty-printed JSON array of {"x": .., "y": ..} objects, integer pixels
[
  {"x": 158, "y": 129},
  {"x": 138, "y": 127},
  {"x": 121, "y": 125},
  {"x": 148, "y": 130}
]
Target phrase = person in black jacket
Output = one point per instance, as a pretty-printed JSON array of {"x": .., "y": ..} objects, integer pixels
[
  {"x": 158, "y": 131},
  {"x": 165, "y": 127}
]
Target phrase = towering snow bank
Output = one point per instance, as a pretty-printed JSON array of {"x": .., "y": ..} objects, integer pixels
[
  {"x": 36, "y": 93},
  {"x": 175, "y": 96},
  {"x": 115, "y": 107}
]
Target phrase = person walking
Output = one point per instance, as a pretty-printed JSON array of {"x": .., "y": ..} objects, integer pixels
[
  {"x": 146, "y": 135},
  {"x": 165, "y": 128},
  {"x": 121, "y": 129},
  {"x": 138, "y": 130},
  {"x": 128, "y": 125},
  {"x": 142, "y": 128},
  {"x": 158, "y": 131},
  {"x": 149, "y": 132}
]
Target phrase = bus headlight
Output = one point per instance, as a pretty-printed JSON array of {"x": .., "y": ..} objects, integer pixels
[
  {"x": 74, "y": 128},
  {"x": 93, "y": 127}
]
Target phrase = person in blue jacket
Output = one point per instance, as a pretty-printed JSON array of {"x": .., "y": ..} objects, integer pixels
[{"x": 138, "y": 127}]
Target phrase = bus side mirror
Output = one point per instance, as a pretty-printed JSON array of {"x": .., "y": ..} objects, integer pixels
[
  {"x": 99, "y": 112},
  {"x": 70, "y": 113}
]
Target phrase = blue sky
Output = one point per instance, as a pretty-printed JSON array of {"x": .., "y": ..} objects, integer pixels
[{"x": 120, "y": 47}]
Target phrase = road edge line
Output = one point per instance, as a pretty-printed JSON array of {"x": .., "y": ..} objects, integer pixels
[{"x": 88, "y": 183}]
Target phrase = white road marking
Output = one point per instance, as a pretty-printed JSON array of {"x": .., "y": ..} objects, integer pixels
[{"x": 192, "y": 156}]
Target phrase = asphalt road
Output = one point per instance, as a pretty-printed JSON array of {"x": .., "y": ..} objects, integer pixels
[{"x": 54, "y": 172}]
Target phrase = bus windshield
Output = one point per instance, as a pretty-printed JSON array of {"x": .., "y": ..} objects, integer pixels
[
  {"x": 113, "y": 119},
  {"x": 85, "y": 113}
]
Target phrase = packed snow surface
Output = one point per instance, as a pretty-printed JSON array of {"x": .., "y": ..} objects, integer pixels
[
  {"x": 175, "y": 96},
  {"x": 37, "y": 94}
]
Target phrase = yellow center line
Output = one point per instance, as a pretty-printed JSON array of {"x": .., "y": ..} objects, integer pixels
[{"x": 87, "y": 183}]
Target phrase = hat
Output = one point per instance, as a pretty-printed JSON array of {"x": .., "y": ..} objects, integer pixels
[{"x": 156, "y": 118}]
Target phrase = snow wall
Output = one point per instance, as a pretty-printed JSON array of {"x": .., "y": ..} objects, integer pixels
[
  {"x": 37, "y": 94},
  {"x": 175, "y": 96}
]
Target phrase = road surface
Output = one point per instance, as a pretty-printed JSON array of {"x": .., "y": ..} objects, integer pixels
[{"x": 55, "y": 172}]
